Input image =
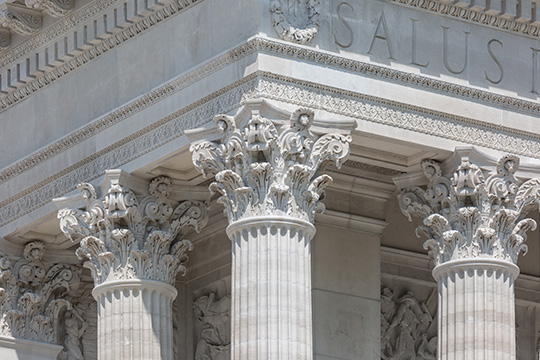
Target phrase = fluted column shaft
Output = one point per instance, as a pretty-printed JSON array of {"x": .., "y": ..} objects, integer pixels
[
  {"x": 271, "y": 288},
  {"x": 134, "y": 320},
  {"x": 476, "y": 315}
]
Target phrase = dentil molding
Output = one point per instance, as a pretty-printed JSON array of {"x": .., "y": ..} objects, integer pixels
[{"x": 124, "y": 236}]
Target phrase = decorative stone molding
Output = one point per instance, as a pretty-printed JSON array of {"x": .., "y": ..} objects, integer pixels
[
  {"x": 56, "y": 8},
  {"x": 521, "y": 22},
  {"x": 20, "y": 19},
  {"x": 213, "y": 317},
  {"x": 469, "y": 216},
  {"x": 262, "y": 169},
  {"x": 404, "y": 328},
  {"x": 123, "y": 237},
  {"x": 256, "y": 86},
  {"x": 33, "y": 295},
  {"x": 299, "y": 25}
]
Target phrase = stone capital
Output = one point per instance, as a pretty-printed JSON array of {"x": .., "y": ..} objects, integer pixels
[
  {"x": 33, "y": 294},
  {"x": 126, "y": 235},
  {"x": 471, "y": 214},
  {"x": 264, "y": 168}
]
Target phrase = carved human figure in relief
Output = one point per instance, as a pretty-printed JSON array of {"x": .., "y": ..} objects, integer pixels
[
  {"x": 404, "y": 328},
  {"x": 75, "y": 327},
  {"x": 214, "y": 317}
]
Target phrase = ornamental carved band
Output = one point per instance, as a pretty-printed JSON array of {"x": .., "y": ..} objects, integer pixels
[
  {"x": 263, "y": 169},
  {"x": 124, "y": 237},
  {"x": 468, "y": 216},
  {"x": 33, "y": 295}
]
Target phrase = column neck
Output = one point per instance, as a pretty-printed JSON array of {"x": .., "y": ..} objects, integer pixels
[
  {"x": 268, "y": 223},
  {"x": 476, "y": 266}
]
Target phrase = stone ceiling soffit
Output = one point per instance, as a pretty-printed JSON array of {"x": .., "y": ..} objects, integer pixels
[{"x": 358, "y": 223}]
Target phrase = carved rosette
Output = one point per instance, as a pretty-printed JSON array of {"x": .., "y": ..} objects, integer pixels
[
  {"x": 33, "y": 295},
  {"x": 262, "y": 169},
  {"x": 124, "y": 237},
  {"x": 468, "y": 216},
  {"x": 305, "y": 15}
]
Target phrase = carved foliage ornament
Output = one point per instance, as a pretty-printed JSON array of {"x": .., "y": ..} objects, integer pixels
[
  {"x": 296, "y": 20},
  {"x": 33, "y": 295},
  {"x": 126, "y": 238},
  {"x": 265, "y": 170},
  {"x": 468, "y": 216},
  {"x": 404, "y": 328}
]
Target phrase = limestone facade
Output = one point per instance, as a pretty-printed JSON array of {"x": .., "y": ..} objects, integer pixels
[{"x": 269, "y": 179}]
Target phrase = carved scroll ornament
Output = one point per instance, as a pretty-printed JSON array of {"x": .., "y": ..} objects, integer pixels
[
  {"x": 33, "y": 294},
  {"x": 123, "y": 237},
  {"x": 265, "y": 170},
  {"x": 56, "y": 8},
  {"x": 469, "y": 216},
  {"x": 305, "y": 16}
]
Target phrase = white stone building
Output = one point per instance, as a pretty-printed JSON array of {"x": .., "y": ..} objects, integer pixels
[{"x": 136, "y": 135}]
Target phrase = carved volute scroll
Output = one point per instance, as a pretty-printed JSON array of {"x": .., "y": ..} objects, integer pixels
[
  {"x": 404, "y": 328},
  {"x": 296, "y": 20},
  {"x": 471, "y": 214},
  {"x": 33, "y": 295},
  {"x": 124, "y": 236},
  {"x": 20, "y": 19},
  {"x": 262, "y": 169},
  {"x": 56, "y": 8}
]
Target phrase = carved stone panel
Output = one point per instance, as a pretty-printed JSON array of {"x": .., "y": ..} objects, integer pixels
[
  {"x": 212, "y": 316},
  {"x": 405, "y": 325}
]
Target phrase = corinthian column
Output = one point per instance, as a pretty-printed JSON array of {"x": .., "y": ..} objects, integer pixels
[
  {"x": 134, "y": 250},
  {"x": 270, "y": 183},
  {"x": 476, "y": 227}
]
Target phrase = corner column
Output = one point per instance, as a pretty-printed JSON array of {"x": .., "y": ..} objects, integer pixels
[
  {"x": 476, "y": 227},
  {"x": 134, "y": 249},
  {"x": 271, "y": 185}
]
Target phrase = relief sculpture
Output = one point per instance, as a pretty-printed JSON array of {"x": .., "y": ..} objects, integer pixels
[
  {"x": 213, "y": 317},
  {"x": 404, "y": 328}
]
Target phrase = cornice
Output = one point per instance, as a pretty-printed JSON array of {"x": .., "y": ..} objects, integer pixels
[
  {"x": 90, "y": 49},
  {"x": 262, "y": 85},
  {"x": 252, "y": 46},
  {"x": 523, "y": 23}
]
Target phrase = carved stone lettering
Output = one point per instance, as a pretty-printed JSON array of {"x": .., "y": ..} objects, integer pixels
[
  {"x": 494, "y": 58},
  {"x": 348, "y": 39},
  {"x": 381, "y": 33}
]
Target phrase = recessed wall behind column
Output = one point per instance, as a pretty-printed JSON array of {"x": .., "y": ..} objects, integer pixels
[{"x": 346, "y": 301}]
